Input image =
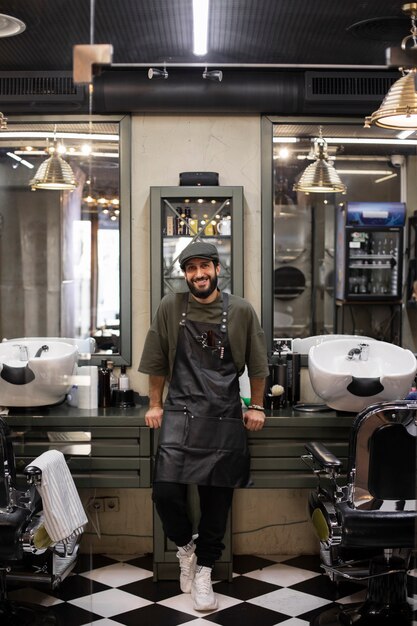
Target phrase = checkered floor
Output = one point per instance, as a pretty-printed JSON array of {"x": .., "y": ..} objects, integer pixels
[{"x": 110, "y": 590}]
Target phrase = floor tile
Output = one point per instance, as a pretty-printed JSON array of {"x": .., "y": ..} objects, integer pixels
[
  {"x": 183, "y": 602},
  {"x": 282, "y": 575},
  {"x": 87, "y": 562},
  {"x": 69, "y": 615},
  {"x": 109, "y": 603},
  {"x": 155, "y": 592},
  {"x": 247, "y": 614},
  {"x": 27, "y": 594},
  {"x": 154, "y": 615},
  {"x": 247, "y": 563},
  {"x": 289, "y": 602},
  {"x": 75, "y": 586},
  {"x": 117, "y": 574},
  {"x": 244, "y": 588}
]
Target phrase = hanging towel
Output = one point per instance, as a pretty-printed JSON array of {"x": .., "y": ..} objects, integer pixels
[{"x": 62, "y": 508}]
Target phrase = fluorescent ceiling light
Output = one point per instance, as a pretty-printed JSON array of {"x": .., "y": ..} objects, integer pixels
[
  {"x": 20, "y": 160},
  {"x": 405, "y": 133},
  {"x": 200, "y": 26},
  {"x": 56, "y": 135},
  {"x": 354, "y": 140},
  {"x": 381, "y": 180},
  {"x": 364, "y": 172}
]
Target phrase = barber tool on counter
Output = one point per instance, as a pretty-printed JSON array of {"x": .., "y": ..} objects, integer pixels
[
  {"x": 283, "y": 384},
  {"x": 123, "y": 397}
]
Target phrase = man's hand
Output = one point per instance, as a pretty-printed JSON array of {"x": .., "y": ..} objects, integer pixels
[
  {"x": 153, "y": 417},
  {"x": 254, "y": 419}
]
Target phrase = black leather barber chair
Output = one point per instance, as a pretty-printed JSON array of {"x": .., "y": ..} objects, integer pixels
[
  {"x": 366, "y": 523},
  {"x": 25, "y": 554}
]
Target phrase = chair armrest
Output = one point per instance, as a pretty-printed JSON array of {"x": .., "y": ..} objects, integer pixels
[
  {"x": 322, "y": 455},
  {"x": 31, "y": 472}
]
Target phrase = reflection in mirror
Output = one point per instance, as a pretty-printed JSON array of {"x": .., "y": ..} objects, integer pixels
[
  {"x": 304, "y": 266},
  {"x": 65, "y": 254}
]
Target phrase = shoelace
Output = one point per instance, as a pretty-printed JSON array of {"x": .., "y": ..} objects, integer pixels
[
  {"x": 203, "y": 583},
  {"x": 185, "y": 563}
]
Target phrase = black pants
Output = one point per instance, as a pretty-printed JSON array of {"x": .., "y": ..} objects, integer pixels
[{"x": 171, "y": 503}]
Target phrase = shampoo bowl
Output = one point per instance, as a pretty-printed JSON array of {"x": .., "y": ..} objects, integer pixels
[
  {"x": 35, "y": 373},
  {"x": 349, "y": 377}
]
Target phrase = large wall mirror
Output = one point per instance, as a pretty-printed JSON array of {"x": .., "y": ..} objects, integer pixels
[
  {"x": 65, "y": 232},
  {"x": 300, "y": 244}
]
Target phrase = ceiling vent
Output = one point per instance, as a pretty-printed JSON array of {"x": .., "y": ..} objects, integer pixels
[
  {"x": 353, "y": 86},
  {"x": 34, "y": 87}
]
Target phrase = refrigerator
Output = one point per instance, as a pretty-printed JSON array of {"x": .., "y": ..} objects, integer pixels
[{"x": 369, "y": 251}]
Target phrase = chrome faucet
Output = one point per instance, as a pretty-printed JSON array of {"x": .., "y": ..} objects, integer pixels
[{"x": 361, "y": 352}]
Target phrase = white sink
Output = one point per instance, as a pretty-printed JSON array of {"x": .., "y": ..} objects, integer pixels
[
  {"x": 35, "y": 372},
  {"x": 303, "y": 345},
  {"x": 386, "y": 372},
  {"x": 87, "y": 345}
]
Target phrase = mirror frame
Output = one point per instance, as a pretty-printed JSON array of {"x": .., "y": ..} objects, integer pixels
[{"x": 124, "y": 357}]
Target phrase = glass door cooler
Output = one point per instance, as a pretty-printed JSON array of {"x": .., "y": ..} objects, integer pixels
[{"x": 369, "y": 251}]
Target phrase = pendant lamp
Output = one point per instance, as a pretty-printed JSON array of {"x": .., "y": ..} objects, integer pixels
[
  {"x": 320, "y": 176},
  {"x": 399, "y": 107},
  {"x": 54, "y": 173}
]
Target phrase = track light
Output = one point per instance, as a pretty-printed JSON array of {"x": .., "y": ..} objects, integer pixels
[
  {"x": 215, "y": 75},
  {"x": 155, "y": 73}
]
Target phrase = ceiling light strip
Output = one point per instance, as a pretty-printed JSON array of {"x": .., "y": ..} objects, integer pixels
[
  {"x": 56, "y": 135},
  {"x": 353, "y": 140},
  {"x": 200, "y": 26}
]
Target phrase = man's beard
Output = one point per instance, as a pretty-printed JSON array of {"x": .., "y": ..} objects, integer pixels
[{"x": 206, "y": 292}]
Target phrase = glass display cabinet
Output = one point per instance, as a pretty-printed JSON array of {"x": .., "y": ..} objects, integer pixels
[{"x": 180, "y": 215}]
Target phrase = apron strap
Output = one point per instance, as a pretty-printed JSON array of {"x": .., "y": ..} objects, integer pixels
[
  {"x": 184, "y": 308},
  {"x": 223, "y": 324}
]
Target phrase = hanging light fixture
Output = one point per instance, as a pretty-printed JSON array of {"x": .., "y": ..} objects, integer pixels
[
  {"x": 399, "y": 107},
  {"x": 54, "y": 173},
  {"x": 320, "y": 176}
]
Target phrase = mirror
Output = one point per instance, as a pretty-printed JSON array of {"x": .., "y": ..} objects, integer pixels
[
  {"x": 300, "y": 269},
  {"x": 65, "y": 254}
]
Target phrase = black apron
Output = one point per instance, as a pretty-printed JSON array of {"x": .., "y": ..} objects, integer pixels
[{"x": 203, "y": 439}]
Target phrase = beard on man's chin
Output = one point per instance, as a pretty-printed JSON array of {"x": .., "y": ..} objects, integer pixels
[{"x": 203, "y": 294}]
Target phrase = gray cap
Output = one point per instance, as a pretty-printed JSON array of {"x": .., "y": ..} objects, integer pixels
[{"x": 198, "y": 249}]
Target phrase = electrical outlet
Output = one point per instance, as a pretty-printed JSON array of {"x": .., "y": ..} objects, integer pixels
[
  {"x": 111, "y": 504},
  {"x": 97, "y": 504}
]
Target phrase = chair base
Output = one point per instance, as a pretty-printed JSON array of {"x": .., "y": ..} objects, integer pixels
[
  {"x": 357, "y": 615},
  {"x": 13, "y": 614}
]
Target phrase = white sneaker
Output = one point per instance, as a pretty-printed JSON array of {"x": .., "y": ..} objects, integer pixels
[
  {"x": 188, "y": 562},
  {"x": 202, "y": 591}
]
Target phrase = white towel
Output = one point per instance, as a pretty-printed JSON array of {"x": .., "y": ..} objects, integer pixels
[{"x": 63, "y": 511}]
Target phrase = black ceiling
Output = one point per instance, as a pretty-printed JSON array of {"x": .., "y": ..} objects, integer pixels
[{"x": 290, "y": 34}]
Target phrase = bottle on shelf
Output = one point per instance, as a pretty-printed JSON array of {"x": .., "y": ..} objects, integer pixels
[
  {"x": 104, "y": 394},
  {"x": 114, "y": 381},
  {"x": 124, "y": 382}
]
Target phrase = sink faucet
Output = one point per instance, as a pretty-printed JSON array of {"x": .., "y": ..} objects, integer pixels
[{"x": 361, "y": 352}]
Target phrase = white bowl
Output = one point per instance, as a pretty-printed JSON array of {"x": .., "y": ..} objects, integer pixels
[
  {"x": 352, "y": 385},
  {"x": 303, "y": 345},
  {"x": 31, "y": 375},
  {"x": 87, "y": 345}
]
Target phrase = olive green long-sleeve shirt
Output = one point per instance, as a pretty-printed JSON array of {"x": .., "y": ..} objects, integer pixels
[{"x": 246, "y": 337}]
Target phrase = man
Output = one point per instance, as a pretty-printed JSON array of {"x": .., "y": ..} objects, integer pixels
[{"x": 200, "y": 341}]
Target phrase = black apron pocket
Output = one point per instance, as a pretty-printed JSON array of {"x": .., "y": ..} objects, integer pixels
[
  {"x": 173, "y": 428},
  {"x": 216, "y": 433}
]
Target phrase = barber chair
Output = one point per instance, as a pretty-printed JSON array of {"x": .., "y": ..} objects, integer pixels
[
  {"x": 26, "y": 552},
  {"x": 366, "y": 523}
]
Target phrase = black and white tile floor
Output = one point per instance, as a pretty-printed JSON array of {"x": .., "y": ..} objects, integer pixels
[{"x": 111, "y": 590}]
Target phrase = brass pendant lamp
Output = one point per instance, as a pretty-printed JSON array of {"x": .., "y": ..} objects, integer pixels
[
  {"x": 399, "y": 107},
  {"x": 320, "y": 176},
  {"x": 54, "y": 173}
]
